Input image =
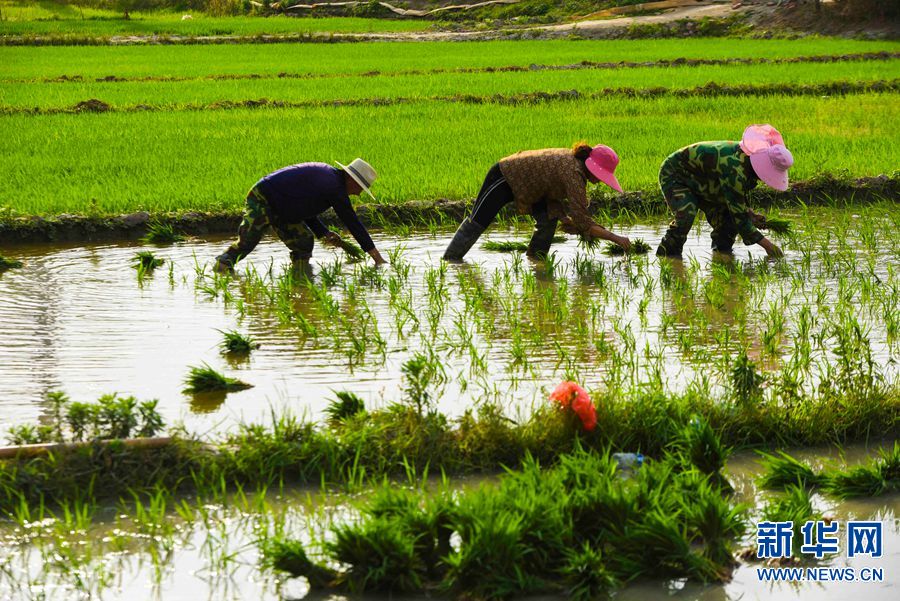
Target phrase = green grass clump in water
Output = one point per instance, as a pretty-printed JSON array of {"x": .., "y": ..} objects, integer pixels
[
  {"x": 782, "y": 470},
  {"x": 538, "y": 531},
  {"x": 508, "y": 246},
  {"x": 794, "y": 505},
  {"x": 235, "y": 343},
  {"x": 872, "y": 479},
  {"x": 345, "y": 406},
  {"x": 638, "y": 247},
  {"x": 162, "y": 233},
  {"x": 206, "y": 379},
  {"x": 145, "y": 261},
  {"x": 9, "y": 263}
]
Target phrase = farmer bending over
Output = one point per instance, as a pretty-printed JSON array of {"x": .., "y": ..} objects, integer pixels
[
  {"x": 291, "y": 199},
  {"x": 715, "y": 177},
  {"x": 550, "y": 185}
]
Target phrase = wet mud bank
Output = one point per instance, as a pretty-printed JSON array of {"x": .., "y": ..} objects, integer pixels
[{"x": 826, "y": 190}]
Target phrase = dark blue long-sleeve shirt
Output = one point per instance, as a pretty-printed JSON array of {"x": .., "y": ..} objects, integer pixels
[{"x": 301, "y": 192}]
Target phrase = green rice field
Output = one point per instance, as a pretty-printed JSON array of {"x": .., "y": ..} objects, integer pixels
[
  {"x": 204, "y": 148},
  {"x": 585, "y": 425}
]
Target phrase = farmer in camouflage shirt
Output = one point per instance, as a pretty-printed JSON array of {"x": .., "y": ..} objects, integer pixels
[{"x": 716, "y": 177}]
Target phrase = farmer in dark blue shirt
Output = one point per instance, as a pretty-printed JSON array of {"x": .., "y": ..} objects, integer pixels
[{"x": 291, "y": 199}]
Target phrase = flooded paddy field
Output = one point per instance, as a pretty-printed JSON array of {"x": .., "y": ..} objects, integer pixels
[
  {"x": 499, "y": 329},
  {"x": 153, "y": 547}
]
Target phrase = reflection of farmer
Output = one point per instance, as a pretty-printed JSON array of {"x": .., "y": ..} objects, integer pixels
[
  {"x": 550, "y": 185},
  {"x": 291, "y": 199},
  {"x": 715, "y": 177}
]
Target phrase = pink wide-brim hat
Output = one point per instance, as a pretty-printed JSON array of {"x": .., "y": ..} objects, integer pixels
[
  {"x": 602, "y": 164},
  {"x": 769, "y": 156}
]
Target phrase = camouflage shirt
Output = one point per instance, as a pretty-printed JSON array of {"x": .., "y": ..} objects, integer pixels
[{"x": 718, "y": 172}]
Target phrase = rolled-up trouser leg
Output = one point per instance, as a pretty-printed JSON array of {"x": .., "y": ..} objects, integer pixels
[
  {"x": 724, "y": 229},
  {"x": 683, "y": 203},
  {"x": 253, "y": 225},
  {"x": 544, "y": 230},
  {"x": 297, "y": 237}
]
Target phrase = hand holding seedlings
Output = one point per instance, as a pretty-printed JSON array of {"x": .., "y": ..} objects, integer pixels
[{"x": 772, "y": 249}]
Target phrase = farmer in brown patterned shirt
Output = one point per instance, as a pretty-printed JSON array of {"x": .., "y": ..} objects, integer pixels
[{"x": 549, "y": 184}]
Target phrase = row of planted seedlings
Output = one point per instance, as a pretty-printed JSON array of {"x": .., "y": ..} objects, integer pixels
[
  {"x": 829, "y": 305},
  {"x": 587, "y": 523}
]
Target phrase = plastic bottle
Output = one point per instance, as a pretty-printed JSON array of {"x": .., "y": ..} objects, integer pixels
[{"x": 629, "y": 461}]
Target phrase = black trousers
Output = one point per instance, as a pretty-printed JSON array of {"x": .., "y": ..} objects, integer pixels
[{"x": 495, "y": 194}]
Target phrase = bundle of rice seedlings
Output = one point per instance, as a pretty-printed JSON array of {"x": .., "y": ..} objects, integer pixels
[
  {"x": 9, "y": 263},
  {"x": 146, "y": 261},
  {"x": 508, "y": 246},
  {"x": 354, "y": 251},
  {"x": 638, "y": 247},
  {"x": 777, "y": 225},
  {"x": 206, "y": 379},
  {"x": 782, "y": 470},
  {"x": 162, "y": 233},
  {"x": 344, "y": 406},
  {"x": 235, "y": 343}
]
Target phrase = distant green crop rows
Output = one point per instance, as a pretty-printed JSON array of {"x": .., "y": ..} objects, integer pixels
[
  {"x": 208, "y": 159},
  {"x": 173, "y": 94},
  {"x": 62, "y": 21},
  {"x": 199, "y": 61}
]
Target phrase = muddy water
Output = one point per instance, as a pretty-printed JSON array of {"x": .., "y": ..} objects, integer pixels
[
  {"x": 215, "y": 555},
  {"x": 78, "y": 319}
]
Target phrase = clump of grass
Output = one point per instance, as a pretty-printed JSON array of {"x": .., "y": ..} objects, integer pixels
[
  {"x": 701, "y": 446},
  {"x": 872, "y": 479},
  {"x": 638, "y": 247},
  {"x": 586, "y": 575},
  {"x": 206, "y": 379},
  {"x": 235, "y": 343},
  {"x": 146, "y": 261},
  {"x": 290, "y": 556},
  {"x": 508, "y": 246},
  {"x": 345, "y": 406},
  {"x": 6, "y": 263},
  {"x": 162, "y": 233},
  {"x": 782, "y": 470}
]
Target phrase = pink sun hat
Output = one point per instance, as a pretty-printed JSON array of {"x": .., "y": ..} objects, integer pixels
[
  {"x": 769, "y": 156},
  {"x": 602, "y": 162}
]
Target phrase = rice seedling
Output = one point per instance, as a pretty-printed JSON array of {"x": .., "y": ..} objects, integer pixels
[
  {"x": 235, "y": 343},
  {"x": 793, "y": 505},
  {"x": 638, "y": 247},
  {"x": 6, "y": 263},
  {"x": 160, "y": 233},
  {"x": 206, "y": 379}
]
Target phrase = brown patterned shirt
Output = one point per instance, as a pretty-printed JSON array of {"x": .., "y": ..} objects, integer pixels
[{"x": 554, "y": 175}]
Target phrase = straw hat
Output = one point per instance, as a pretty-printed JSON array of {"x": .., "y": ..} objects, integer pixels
[{"x": 362, "y": 173}]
